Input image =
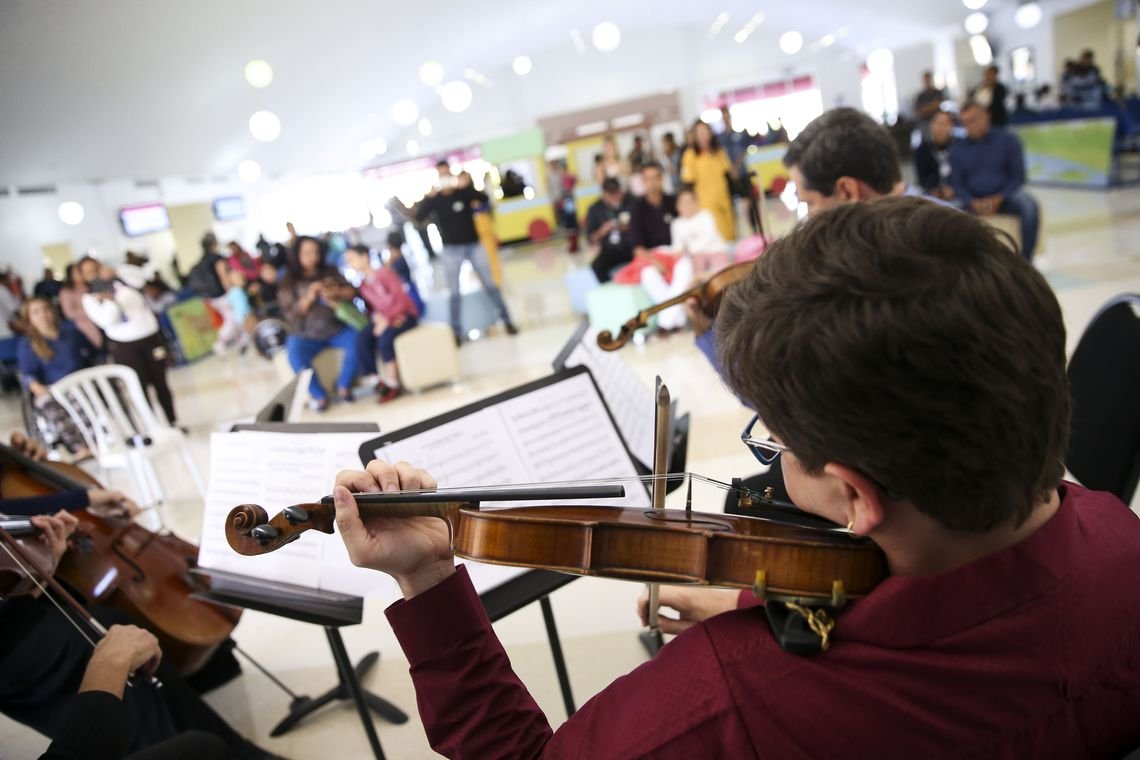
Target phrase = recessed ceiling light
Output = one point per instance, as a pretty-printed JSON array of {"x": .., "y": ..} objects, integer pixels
[
  {"x": 405, "y": 112},
  {"x": 1028, "y": 15},
  {"x": 431, "y": 73},
  {"x": 980, "y": 47},
  {"x": 456, "y": 96},
  {"x": 258, "y": 73},
  {"x": 746, "y": 31},
  {"x": 827, "y": 40},
  {"x": 974, "y": 5},
  {"x": 424, "y": 127},
  {"x": 976, "y": 23},
  {"x": 249, "y": 171},
  {"x": 718, "y": 23},
  {"x": 579, "y": 43},
  {"x": 70, "y": 213},
  {"x": 791, "y": 42},
  {"x": 522, "y": 65},
  {"x": 265, "y": 126},
  {"x": 606, "y": 36}
]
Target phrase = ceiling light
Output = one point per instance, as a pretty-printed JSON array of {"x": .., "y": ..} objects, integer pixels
[
  {"x": 827, "y": 40},
  {"x": 791, "y": 42},
  {"x": 456, "y": 96},
  {"x": 980, "y": 47},
  {"x": 579, "y": 43},
  {"x": 880, "y": 61},
  {"x": 477, "y": 78},
  {"x": 265, "y": 126},
  {"x": 974, "y": 5},
  {"x": 718, "y": 23},
  {"x": 413, "y": 147},
  {"x": 976, "y": 23},
  {"x": 606, "y": 36},
  {"x": 1028, "y": 15},
  {"x": 740, "y": 36},
  {"x": 405, "y": 112},
  {"x": 424, "y": 127},
  {"x": 249, "y": 171},
  {"x": 431, "y": 73},
  {"x": 70, "y": 212},
  {"x": 522, "y": 65},
  {"x": 258, "y": 73},
  {"x": 745, "y": 31}
]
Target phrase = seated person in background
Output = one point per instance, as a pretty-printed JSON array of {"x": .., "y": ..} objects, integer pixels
[
  {"x": 988, "y": 172},
  {"x": 651, "y": 214},
  {"x": 310, "y": 295},
  {"x": 932, "y": 158},
  {"x": 398, "y": 263},
  {"x": 607, "y": 225},
  {"x": 694, "y": 232},
  {"x": 1002, "y": 629},
  {"x": 240, "y": 261},
  {"x": 50, "y": 350},
  {"x": 263, "y": 292},
  {"x": 239, "y": 329},
  {"x": 1085, "y": 88},
  {"x": 48, "y": 287},
  {"x": 393, "y": 313}
]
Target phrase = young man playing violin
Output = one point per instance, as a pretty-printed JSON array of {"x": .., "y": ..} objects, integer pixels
[
  {"x": 52, "y": 680},
  {"x": 911, "y": 373}
]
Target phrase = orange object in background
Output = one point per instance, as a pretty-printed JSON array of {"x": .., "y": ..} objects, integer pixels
[{"x": 485, "y": 229}]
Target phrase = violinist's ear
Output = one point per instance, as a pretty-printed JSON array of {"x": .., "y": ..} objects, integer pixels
[{"x": 863, "y": 500}]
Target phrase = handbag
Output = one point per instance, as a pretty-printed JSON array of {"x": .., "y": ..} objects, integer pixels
[{"x": 347, "y": 313}]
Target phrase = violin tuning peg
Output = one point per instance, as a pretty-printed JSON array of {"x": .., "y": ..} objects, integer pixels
[
  {"x": 264, "y": 533},
  {"x": 295, "y": 515}
]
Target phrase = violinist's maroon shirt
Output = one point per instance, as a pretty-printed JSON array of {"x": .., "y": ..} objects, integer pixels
[{"x": 1030, "y": 652}]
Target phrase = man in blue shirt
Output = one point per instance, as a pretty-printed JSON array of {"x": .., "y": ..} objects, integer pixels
[{"x": 988, "y": 172}]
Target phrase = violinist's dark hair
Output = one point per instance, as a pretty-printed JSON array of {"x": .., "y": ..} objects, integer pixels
[
  {"x": 845, "y": 142},
  {"x": 904, "y": 340}
]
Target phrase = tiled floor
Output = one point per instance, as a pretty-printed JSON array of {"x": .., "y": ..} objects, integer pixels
[{"x": 1092, "y": 251}]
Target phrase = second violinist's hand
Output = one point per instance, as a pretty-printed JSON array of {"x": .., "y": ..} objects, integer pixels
[
  {"x": 108, "y": 503},
  {"x": 55, "y": 530},
  {"x": 416, "y": 551},
  {"x": 693, "y": 605},
  {"x": 26, "y": 446}
]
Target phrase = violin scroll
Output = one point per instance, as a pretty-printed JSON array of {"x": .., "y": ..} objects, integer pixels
[
  {"x": 250, "y": 531},
  {"x": 608, "y": 342}
]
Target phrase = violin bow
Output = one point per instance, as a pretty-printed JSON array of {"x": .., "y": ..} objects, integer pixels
[{"x": 660, "y": 483}]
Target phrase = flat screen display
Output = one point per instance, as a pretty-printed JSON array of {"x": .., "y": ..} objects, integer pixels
[
  {"x": 229, "y": 208},
  {"x": 144, "y": 219}
]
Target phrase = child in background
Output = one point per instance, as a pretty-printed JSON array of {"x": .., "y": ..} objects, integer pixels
[
  {"x": 392, "y": 312},
  {"x": 262, "y": 292},
  {"x": 239, "y": 330}
]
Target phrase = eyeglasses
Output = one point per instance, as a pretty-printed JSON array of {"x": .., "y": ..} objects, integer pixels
[{"x": 765, "y": 450}]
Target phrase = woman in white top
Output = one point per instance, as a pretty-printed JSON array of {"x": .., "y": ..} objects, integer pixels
[
  {"x": 694, "y": 231},
  {"x": 133, "y": 335}
]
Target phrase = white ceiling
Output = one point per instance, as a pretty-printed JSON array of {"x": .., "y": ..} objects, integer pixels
[{"x": 137, "y": 88}]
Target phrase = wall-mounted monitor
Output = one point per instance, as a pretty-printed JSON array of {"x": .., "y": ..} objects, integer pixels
[
  {"x": 229, "y": 208},
  {"x": 144, "y": 219}
]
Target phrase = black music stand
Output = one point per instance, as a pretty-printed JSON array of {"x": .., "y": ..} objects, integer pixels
[{"x": 328, "y": 610}]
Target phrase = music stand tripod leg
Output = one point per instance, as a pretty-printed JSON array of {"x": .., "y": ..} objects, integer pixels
[
  {"x": 556, "y": 652},
  {"x": 349, "y": 680}
]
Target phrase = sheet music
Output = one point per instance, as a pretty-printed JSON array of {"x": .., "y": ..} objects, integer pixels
[
  {"x": 557, "y": 433},
  {"x": 630, "y": 400},
  {"x": 276, "y": 470}
]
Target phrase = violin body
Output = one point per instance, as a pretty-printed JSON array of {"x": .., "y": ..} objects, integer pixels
[
  {"x": 708, "y": 295},
  {"x": 779, "y": 560},
  {"x": 118, "y": 563}
]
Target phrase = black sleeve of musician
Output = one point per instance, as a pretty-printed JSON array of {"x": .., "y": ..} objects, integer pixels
[
  {"x": 45, "y": 505},
  {"x": 98, "y": 727}
]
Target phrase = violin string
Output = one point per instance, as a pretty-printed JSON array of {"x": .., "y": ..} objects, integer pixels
[
  {"x": 95, "y": 624},
  {"x": 641, "y": 479}
]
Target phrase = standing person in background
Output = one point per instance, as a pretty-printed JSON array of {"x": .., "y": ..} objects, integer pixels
[
  {"x": 454, "y": 209},
  {"x": 736, "y": 143},
  {"x": 49, "y": 351},
  {"x": 263, "y": 292},
  {"x": 133, "y": 336},
  {"x": 209, "y": 279},
  {"x": 706, "y": 167},
  {"x": 485, "y": 228},
  {"x": 71, "y": 305},
  {"x": 932, "y": 158},
  {"x": 989, "y": 175},
  {"x": 554, "y": 174},
  {"x": 991, "y": 95},
  {"x": 393, "y": 313},
  {"x": 241, "y": 328},
  {"x": 607, "y": 225},
  {"x": 241, "y": 262},
  {"x": 639, "y": 156},
  {"x": 1085, "y": 87},
  {"x": 309, "y": 295},
  {"x": 928, "y": 102},
  {"x": 609, "y": 164},
  {"x": 671, "y": 162},
  {"x": 48, "y": 287},
  {"x": 398, "y": 263}
]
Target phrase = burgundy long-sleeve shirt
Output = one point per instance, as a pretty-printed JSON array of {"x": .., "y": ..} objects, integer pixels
[{"x": 1030, "y": 652}]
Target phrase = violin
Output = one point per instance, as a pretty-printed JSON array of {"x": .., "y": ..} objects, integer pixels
[
  {"x": 773, "y": 554},
  {"x": 708, "y": 295},
  {"x": 117, "y": 562}
]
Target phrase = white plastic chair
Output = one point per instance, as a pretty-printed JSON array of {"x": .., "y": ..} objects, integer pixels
[{"x": 112, "y": 422}]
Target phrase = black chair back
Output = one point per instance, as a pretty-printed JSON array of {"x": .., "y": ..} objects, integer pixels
[{"x": 1104, "y": 374}]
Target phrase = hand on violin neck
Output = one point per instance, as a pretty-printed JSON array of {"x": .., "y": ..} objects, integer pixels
[
  {"x": 110, "y": 503},
  {"x": 700, "y": 321},
  {"x": 693, "y": 605},
  {"x": 26, "y": 446},
  {"x": 416, "y": 551},
  {"x": 125, "y": 649},
  {"x": 56, "y": 529}
]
